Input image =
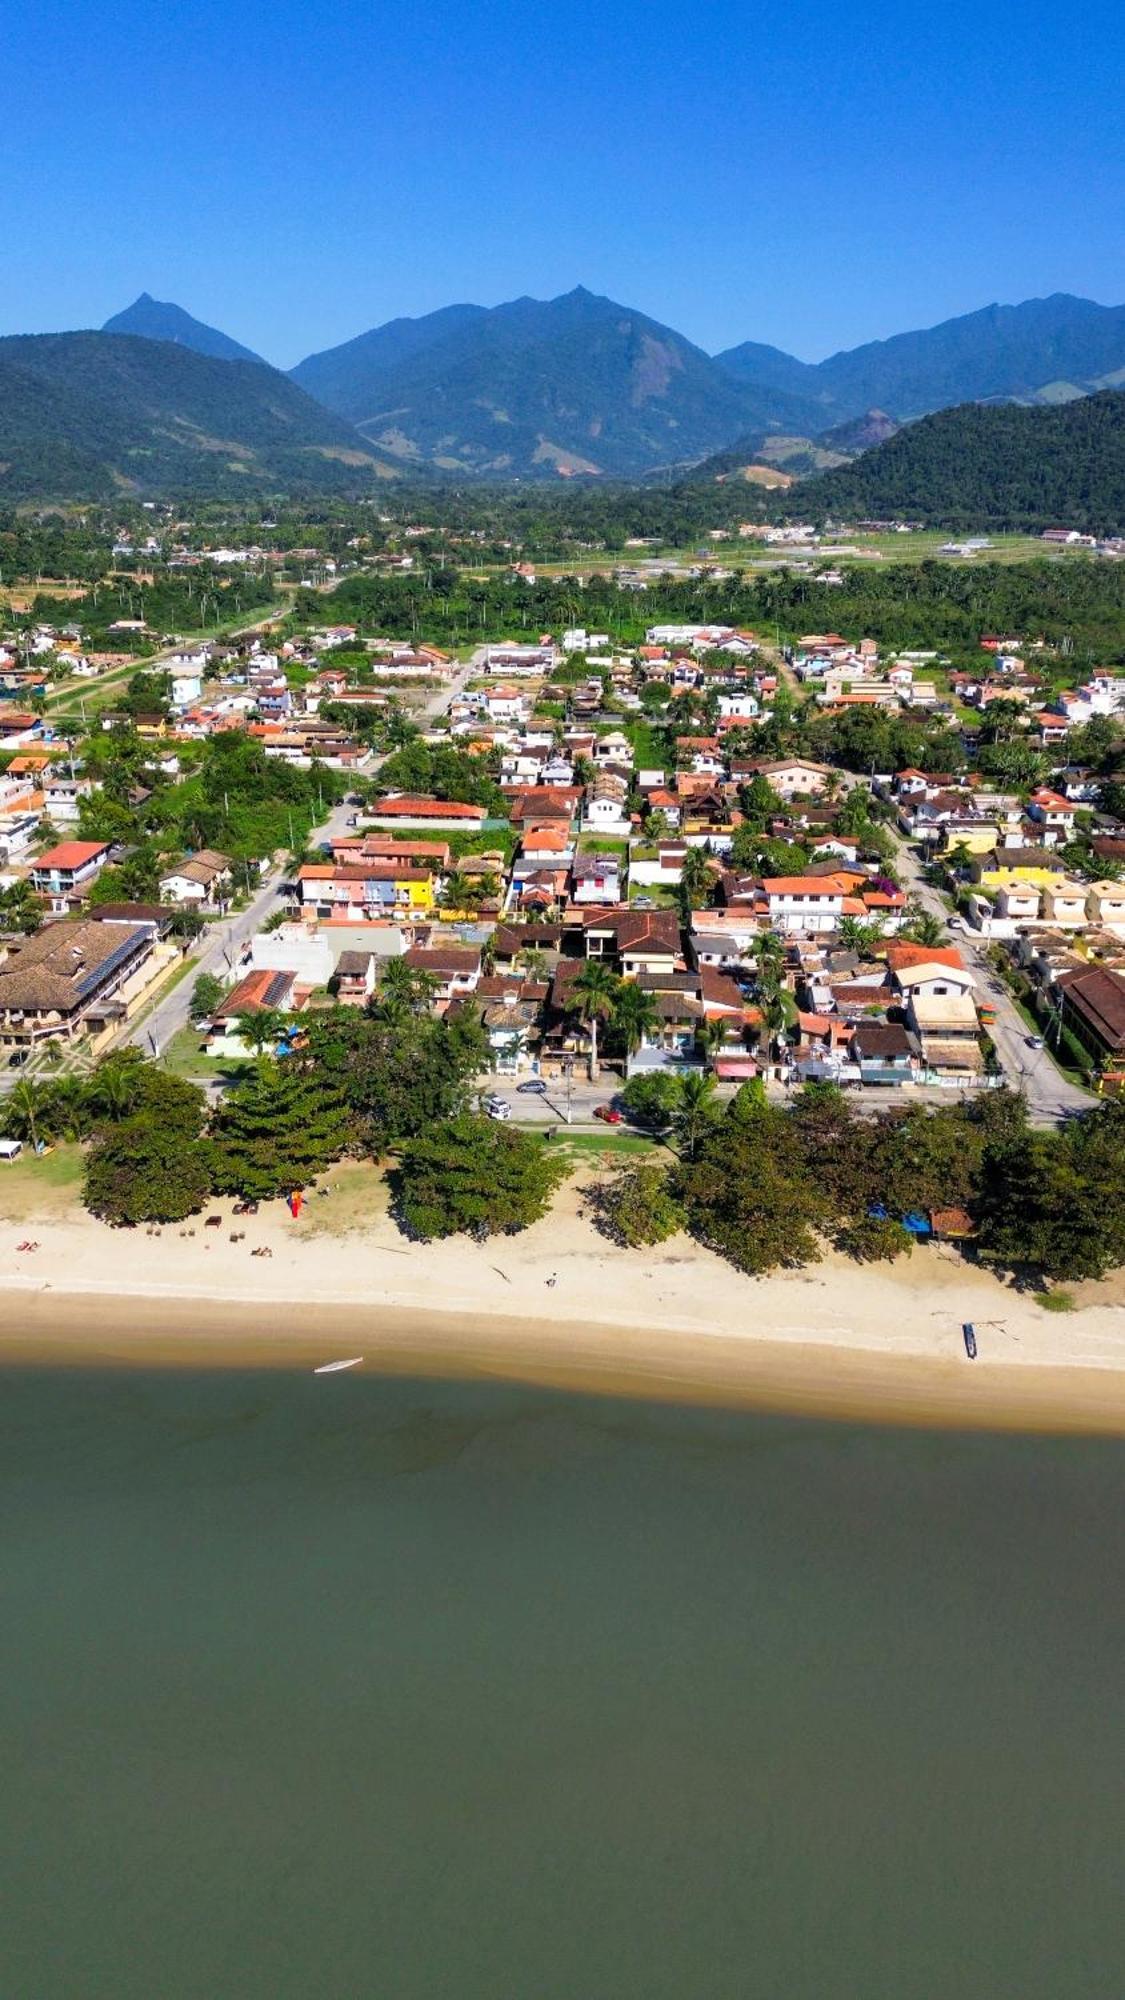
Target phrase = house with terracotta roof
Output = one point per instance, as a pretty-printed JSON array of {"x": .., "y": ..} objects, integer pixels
[
  {"x": 65, "y": 872},
  {"x": 411, "y": 809},
  {"x": 265, "y": 990},
  {"x": 805, "y": 903},
  {"x": 936, "y": 989},
  {"x": 359, "y": 891}
]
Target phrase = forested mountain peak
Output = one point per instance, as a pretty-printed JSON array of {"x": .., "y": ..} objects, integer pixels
[{"x": 159, "y": 319}]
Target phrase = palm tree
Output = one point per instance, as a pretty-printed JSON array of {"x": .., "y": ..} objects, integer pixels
[
  {"x": 403, "y": 990},
  {"x": 112, "y": 1090},
  {"x": 697, "y": 1111},
  {"x": 26, "y": 1106},
  {"x": 777, "y": 1012},
  {"x": 66, "y": 1108},
  {"x": 768, "y": 953},
  {"x": 858, "y": 935},
  {"x": 534, "y": 963},
  {"x": 924, "y": 928},
  {"x": 635, "y": 1014},
  {"x": 710, "y": 1038},
  {"x": 259, "y": 1029},
  {"x": 697, "y": 878},
  {"x": 592, "y": 998}
]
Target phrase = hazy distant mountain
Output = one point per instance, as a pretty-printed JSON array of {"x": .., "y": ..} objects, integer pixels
[
  {"x": 157, "y": 319},
  {"x": 999, "y": 466},
  {"x": 1045, "y": 350},
  {"x": 89, "y": 415},
  {"x": 342, "y": 377},
  {"x": 576, "y": 384}
]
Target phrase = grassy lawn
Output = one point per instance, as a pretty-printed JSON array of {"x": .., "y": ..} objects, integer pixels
[
  {"x": 357, "y": 1197},
  {"x": 597, "y": 843},
  {"x": 43, "y": 1187},
  {"x": 592, "y": 1145},
  {"x": 657, "y": 894},
  {"x": 184, "y": 1056},
  {"x": 649, "y": 748}
]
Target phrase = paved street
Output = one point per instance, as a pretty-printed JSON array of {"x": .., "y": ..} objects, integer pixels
[
  {"x": 219, "y": 947},
  {"x": 1051, "y": 1096}
]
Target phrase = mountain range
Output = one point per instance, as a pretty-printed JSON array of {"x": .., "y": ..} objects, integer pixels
[
  {"x": 574, "y": 386},
  {"x": 86, "y": 416}
]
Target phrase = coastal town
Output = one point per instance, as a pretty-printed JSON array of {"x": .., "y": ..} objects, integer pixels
[{"x": 605, "y": 887}]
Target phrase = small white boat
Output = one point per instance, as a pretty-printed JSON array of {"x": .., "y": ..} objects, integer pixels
[{"x": 334, "y": 1367}]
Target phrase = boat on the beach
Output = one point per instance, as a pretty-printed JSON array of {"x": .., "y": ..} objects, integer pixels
[
  {"x": 334, "y": 1367},
  {"x": 968, "y": 1334}
]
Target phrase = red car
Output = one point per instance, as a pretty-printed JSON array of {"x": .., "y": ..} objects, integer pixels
[{"x": 608, "y": 1114}]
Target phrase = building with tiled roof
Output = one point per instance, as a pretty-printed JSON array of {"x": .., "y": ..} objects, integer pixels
[{"x": 65, "y": 980}]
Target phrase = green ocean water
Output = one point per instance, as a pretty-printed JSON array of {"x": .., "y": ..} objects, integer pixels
[{"x": 360, "y": 1687}]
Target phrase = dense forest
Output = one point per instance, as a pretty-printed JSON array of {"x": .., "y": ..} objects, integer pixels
[
  {"x": 982, "y": 467},
  {"x": 1076, "y": 606}
]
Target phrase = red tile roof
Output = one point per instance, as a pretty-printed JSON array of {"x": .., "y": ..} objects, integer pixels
[{"x": 72, "y": 853}]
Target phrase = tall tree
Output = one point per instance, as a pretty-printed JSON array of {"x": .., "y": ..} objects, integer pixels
[
  {"x": 475, "y": 1176},
  {"x": 592, "y": 997}
]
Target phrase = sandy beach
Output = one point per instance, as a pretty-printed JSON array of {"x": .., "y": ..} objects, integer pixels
[{"x": 837, "y": 1338}]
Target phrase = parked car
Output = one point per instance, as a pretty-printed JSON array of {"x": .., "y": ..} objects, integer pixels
[
  {"x": 1035, "y": 1041},
  {"x": 497, "y": 1108},
  {"x": 608, "y": 1113},
  {"x": 534, "y": 1087}
]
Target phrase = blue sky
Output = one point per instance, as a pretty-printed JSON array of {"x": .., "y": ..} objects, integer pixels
[{"x": 814, "y": 175}]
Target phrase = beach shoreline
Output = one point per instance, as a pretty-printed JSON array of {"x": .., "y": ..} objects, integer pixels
[
  {"x": 557, "y": 1306},
  {"x": 797, "y": 1377}
]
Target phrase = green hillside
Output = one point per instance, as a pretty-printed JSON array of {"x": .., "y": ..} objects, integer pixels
[
  {"x": 85, "y": 416},
  {"x": 990, "y": 467}
]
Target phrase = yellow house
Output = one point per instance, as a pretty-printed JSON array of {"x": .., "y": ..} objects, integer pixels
[
  {"x": 414, "y": 890},
  {"x": 1016, "y": 864},
  {"x": 974, "y": 839}
]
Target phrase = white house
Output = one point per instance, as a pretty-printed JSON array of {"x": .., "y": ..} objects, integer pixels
[
  {"x": 203, "y": 880},
  {"x": 804, "y": 903}
]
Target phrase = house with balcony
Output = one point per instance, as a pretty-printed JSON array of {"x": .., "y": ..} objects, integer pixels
[
  {"x": 804, "y": 903},
  {"x": 455, "y": 969},
  {"x": 362, "y": 891},
  {"x": 355, "y": 976},
  {"x": 70, "y": 979},
  {"x": 633, "y": 941},
  {"x": 512, "y": 1012},
  {"x": 936, "y": 991},
  {"x": 64, "y": 873}
]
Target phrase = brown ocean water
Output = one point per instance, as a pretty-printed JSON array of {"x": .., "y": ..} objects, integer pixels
[{"x": 352, "y": 1686}]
